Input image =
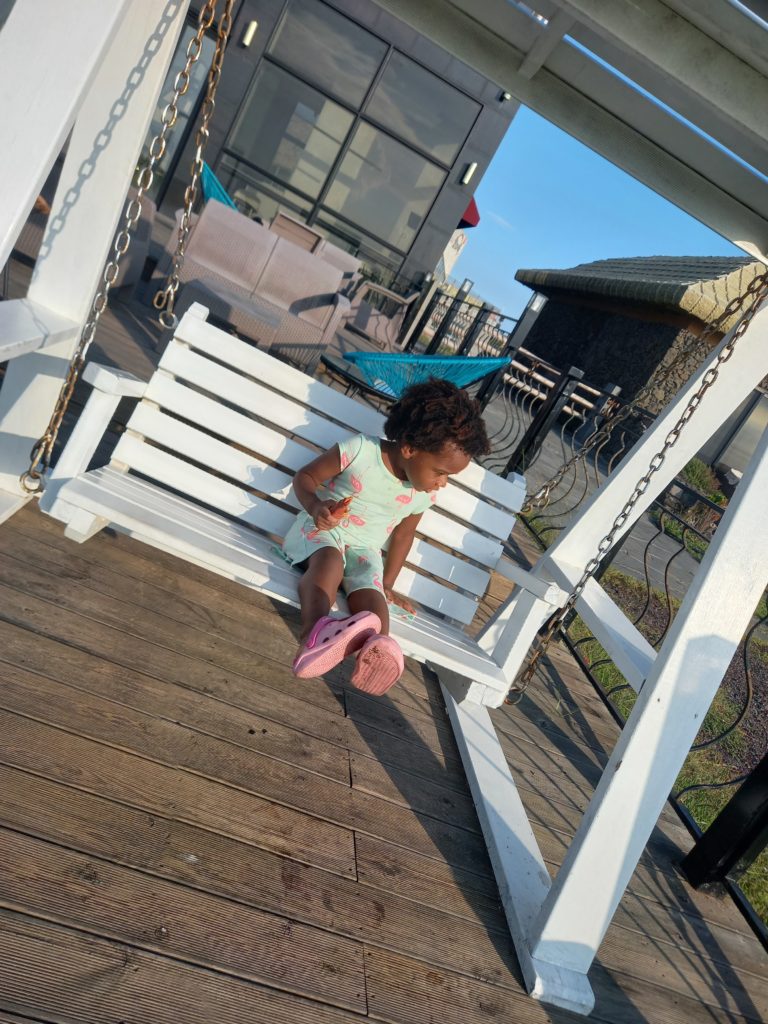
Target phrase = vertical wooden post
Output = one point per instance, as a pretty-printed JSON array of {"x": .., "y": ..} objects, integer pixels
[
  {"x": 112, "y": 100},
  {"x": 660, "y": 730}
]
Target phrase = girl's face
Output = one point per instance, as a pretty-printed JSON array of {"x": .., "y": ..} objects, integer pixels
[{"x": 429, "y": 471}]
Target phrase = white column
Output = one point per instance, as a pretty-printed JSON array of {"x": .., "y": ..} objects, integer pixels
[
  {"x": 49, "y": 54},
  {"x": 116, "y": 89},
  {"x": 668, "y": 714}
]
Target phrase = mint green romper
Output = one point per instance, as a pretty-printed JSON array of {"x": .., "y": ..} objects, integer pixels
[{"x": 379, "y": 502}]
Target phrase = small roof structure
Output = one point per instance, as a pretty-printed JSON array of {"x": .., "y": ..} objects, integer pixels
[{"x": 699, "y": 285}]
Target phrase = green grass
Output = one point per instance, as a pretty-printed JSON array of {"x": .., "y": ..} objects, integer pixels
[{"x": 694, "y": 545}]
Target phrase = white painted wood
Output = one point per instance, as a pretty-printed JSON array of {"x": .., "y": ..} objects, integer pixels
[
  {"x": 518, "y": 865},
  {"x": 45, "y": 70},
  {"x": 663, "y": 724},
  {"x": 108, "y": 73},
  {"x": 82, "y": 526},
  {"x": 27, "y": 326},
  {"x": 630, "y": 652},
  {"x": 10, "y": 504},
  {"x": 109, "y": 386},
  {"x": 279, "y": 376},
  {"x": 549, "y": 592},
  {"x": 433, "y": 595},
  {"x": 679, "y": 50},
  {"x": 244, "y": 468},
  {"x": 112, "y": 381},
  {"x": 545, "y": 44},
  {"x": 173, "y": 472},
  {"x": 237, "y": 427},
  {"x": 449, "y": 566},
  {"x": 509, "y": 634}
]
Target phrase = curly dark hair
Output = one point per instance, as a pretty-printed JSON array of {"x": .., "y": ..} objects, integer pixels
[{"x": 435, "y": 413}]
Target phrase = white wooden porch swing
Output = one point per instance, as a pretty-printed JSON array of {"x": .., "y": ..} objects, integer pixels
[{"x": 204, "y": 471}]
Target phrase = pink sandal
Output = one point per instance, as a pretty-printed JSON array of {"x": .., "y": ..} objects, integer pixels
[
  {"x": 379, "y": 665},
  {"x": 331, "y": 641}
]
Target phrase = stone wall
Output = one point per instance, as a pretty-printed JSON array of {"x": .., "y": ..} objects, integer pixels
[{"x": 611, "y": 348}]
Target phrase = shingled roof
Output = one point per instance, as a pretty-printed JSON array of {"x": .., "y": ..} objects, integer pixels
[{"x": 700, "y": 285}]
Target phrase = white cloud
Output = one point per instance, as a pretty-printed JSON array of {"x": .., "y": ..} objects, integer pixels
[{"x": 500, "y": 220}]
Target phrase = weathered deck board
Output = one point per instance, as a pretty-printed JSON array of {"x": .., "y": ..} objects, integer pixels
[
  {"x": 115, "y": 902},
  {"x": 65, "y": 975}
]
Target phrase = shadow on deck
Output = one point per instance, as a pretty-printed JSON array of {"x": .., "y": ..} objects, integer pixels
[{"x": 190, "y": 834}]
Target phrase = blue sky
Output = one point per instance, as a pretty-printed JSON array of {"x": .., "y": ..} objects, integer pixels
[{"x": 548, "y": 201}]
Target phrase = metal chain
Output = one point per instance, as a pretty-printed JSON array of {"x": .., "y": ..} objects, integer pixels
[
  {"x": 32, "y": 479},
  {"x": 759, "y": 289},
  {"x": 619, "y": 412},
  {"x": 165, "y": 298}
]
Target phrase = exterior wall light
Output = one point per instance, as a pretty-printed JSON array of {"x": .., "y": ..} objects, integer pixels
[
  {"x": 467, "y": 175},
  {"x": 249, "y": 33}
]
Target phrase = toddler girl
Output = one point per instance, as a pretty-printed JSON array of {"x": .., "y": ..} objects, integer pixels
[{"x": 359, "y": 496}]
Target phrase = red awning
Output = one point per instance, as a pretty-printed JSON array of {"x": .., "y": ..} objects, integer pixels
[{"x": 471, "y": 216}]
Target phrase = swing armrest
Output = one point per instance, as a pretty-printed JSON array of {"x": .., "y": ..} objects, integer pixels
[
  {"x": 109, "y": 386},
  {"x": 114, "y": 382},
  {"x": 549, "y": 592}
]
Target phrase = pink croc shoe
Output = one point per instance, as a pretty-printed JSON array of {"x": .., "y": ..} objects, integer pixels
[
  {"x": 331, "y": 641},
  {"x": 379, "y": 665}
]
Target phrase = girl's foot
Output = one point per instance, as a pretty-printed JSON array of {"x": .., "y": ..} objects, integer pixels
[
  {"x": 379, "y": 665},
  {"x": 331, "y": 641}
]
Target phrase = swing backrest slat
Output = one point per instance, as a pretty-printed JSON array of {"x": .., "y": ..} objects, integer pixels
[{"x": 227, "y": 426}]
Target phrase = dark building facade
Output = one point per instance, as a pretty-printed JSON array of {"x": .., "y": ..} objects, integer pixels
[{"x": 347, "y": 119}]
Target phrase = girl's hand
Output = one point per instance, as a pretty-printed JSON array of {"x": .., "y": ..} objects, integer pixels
[
  {"x": 323, "y": 516},
  {"x": 327, "y": 514},
  {"x": 394, "y": 598}
]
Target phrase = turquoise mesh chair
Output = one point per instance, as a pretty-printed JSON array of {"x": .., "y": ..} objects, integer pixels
[
  {"x": 212, "y": 187},
  {"x": 397, "y": 371}
]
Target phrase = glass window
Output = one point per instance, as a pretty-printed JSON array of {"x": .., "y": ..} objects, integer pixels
[
  {"x": 255, "y": 195},
  {"x": 379, "y": 262},
  {"x": 326, "y": 47},
  {"x": 384, "y": 187},
  {"x": 420, "y": 108},
  {"x": 289, "y": 130}
]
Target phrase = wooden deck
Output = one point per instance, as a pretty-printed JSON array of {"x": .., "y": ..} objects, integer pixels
[{"x": 188, "y": 833}]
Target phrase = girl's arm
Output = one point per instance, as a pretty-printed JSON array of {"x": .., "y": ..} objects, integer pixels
[
  {"x": 400, "y": 543},
  {"x": 307, "y": 481}
]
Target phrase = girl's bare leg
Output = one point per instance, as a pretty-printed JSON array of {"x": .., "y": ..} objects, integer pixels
[
  {"x": 370, "y": 600},
  {"x": 319, "y": 586}
]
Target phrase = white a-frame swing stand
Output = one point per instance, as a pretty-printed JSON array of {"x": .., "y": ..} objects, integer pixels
[
  {"x": 124, "y": 48},
  {"x": 558, "y": 925}
]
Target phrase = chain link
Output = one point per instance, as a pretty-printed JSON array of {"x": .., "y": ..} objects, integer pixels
[
  {"x": 32, "y": 479},
  {"x": 165, "y": 298},
  {"x": 758, "y": 289},
  {"x": 618, "y": 413}
]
